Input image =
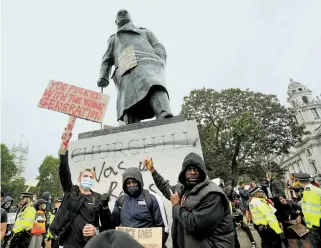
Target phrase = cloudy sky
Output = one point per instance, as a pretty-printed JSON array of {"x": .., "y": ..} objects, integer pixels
[{"x": 218, "y": 44}]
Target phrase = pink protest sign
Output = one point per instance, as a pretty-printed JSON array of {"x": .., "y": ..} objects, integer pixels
[{"x": 75, "y": 101}]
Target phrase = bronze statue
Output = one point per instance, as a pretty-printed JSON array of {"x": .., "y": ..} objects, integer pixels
[{"x": 139, "y": 60}]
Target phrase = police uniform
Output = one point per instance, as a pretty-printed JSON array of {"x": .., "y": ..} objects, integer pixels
[
  {"x": 23, "y": 224},
  {"x": 49, "y": 236},
  {"x": 311, "y": 208},
  {"x": 265, "y": 221}
]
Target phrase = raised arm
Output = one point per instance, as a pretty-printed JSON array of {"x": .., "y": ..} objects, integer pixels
[
  {"x": 160, "y": 182},
  {"x": 64, "y": 173}
]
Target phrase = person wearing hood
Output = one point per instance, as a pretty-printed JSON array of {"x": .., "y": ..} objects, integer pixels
[
  {"x": 137, "y": 207},
  {"x": 39, "y": 225},
  {"x": 201, "y": 212},
  {"x": 7, "y": 206},
  {"x": 24, "y": 222},
  {"x": 82, "y": 211}
]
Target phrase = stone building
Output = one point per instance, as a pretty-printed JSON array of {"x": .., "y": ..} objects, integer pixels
[
  {"x": 306, "y": 156},
  {"x": 20, "y": 153}
]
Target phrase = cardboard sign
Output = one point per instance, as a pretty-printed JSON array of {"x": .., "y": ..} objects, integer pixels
[
  {"x": 75, "y": 101},
  {"x": 11, "y": 218},
  {"x": 300, "y": 229},
  {"x": 147, "y": 237}
]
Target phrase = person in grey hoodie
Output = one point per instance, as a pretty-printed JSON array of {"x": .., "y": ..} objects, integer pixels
[
  {"x": 201, "y": 212},
  {"x": 7, "y": 206}
]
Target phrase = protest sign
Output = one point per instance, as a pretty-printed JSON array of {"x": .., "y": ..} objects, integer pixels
[
  {"x": 11, "y": 218},
  {"x": 300, "y": 229},
  {"x": 75, "y": 101},
  {"x": 147, "y": 237}
]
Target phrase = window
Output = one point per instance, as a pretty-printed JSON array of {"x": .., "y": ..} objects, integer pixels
[
  {"x": 293, "y": 91},
  {"x": 300, "y": 89},
  {"x": 315, "y": 113},
  {"x": 305, "y": 99}
]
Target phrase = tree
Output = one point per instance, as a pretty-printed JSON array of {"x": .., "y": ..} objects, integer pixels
[
  {"x": 240, "y": 130},
  {"x": 10, "y": 184},
  {"x": 8, "y": 168},
  {"x": 49, "y": 176}
]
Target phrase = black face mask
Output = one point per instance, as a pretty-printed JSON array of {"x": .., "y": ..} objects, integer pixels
[{"x": 133, "y": 191}]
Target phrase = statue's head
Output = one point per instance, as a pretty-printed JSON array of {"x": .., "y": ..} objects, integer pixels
[{"x": 122, "y": 18}]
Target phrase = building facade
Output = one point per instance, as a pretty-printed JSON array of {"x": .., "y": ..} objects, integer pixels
[
  {"x": 20, "y": 153},
  {"x": 306, "y": 156}
]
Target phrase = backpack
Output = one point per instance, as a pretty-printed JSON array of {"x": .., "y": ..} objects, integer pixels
[{"x": 148, "y": 200}]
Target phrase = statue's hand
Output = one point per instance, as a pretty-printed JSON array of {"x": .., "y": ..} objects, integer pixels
[{"x": 103, "y": 83}]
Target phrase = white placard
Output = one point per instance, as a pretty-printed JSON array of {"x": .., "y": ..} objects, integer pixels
[
  {"x": 111, "y": 154},
  {"x": 11, "y": 218}
]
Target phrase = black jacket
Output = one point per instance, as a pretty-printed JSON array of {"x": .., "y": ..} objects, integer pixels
[
  {"x": 71, "y": 204},
  {"x": 134, "y": 212},
  {"x": 203, "y": 219},
  {"x": 113, "y": 239},
  {"x": 276, "y": 187}
]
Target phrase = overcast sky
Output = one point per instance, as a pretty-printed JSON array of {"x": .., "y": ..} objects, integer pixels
[{"x": 219, "y": 44}]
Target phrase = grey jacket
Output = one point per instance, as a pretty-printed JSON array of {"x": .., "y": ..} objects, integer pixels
[{"x": 135, "y": 84}]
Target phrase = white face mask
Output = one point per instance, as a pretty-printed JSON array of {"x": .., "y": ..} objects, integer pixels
[{"x": 7, "y": 205}]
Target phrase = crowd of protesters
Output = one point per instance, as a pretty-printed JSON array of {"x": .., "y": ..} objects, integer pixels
[{"x": 204, "y": 214}]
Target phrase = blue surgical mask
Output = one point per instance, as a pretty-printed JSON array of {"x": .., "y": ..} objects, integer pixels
[{"x": 86, "y": 183}]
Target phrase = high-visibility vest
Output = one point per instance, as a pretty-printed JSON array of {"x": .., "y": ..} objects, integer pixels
[
  {"x": 49, "y": 235},
  {"x": 39, "y": 225},
  {"x": 25, "y": 219},
  {"x": 263, "y": 214},
  {"x": 311, "y": 206}
]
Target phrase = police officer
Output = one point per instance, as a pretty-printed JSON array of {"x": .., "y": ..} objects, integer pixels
[
  {"x": 311, "y": 207},
  {"x": 49, "y": 238},
  {"x": 264, "y": 220},
  {"x": 24, "y": 222}
]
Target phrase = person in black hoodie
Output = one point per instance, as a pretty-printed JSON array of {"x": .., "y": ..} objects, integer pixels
[
  {"x": 201, "y": 212},
  {"x": 81, "y": 211}
]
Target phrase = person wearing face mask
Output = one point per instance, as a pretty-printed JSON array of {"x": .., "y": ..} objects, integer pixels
[
  {"x": 7, "y": 206},
  {"x": 48, "y": 198},
  {"x": 201, "y": 211},
  {"x": 82, "y": 210},
  {"x": 24, "y": 223},
  {"x": 137, "y": 207},
  {"x": 39, "y": 225}
]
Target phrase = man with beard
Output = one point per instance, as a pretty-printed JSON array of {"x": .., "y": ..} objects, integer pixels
[
  {"x": 137, "y": 207},
  {"x": 139, "y": 60},
  {"x": 201, "y": 212}
]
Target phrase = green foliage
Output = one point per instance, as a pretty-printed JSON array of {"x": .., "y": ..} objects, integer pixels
[
  {"x": 49, "y": 177},
  {"x": 10, "y": 185},
  {"x": 240, "y": 130}
]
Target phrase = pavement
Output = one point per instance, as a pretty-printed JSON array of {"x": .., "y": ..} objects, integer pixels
[{"x": 244, "y": 239}]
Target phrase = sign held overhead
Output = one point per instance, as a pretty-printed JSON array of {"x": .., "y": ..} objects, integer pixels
[{"x": 75, "y": 101}]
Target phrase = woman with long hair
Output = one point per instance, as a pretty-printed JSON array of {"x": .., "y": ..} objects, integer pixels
[{"x": 290, "y": 213}]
